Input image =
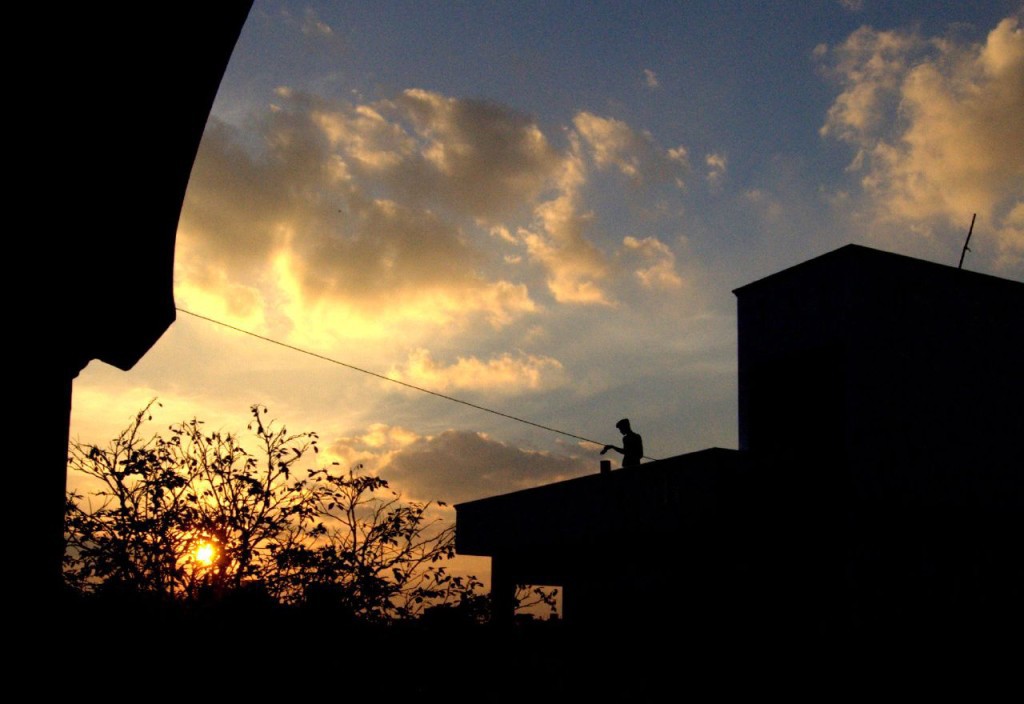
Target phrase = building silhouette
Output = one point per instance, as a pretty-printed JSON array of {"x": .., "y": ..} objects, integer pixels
[
  {"x": 877, "y": 486},
  {"x": 137, "y": 88}
]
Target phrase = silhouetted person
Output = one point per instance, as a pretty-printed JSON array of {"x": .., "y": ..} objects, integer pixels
[{"x": 632, "y": 444}]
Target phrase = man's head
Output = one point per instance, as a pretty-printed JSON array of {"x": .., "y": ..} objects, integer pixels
[{"x": 623, "y": 426}]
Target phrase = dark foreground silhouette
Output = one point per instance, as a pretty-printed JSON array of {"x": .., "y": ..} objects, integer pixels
[{"x": 241, "y": 648}]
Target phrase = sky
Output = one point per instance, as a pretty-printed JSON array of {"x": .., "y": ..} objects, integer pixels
[{"x": 542, "y": 209}]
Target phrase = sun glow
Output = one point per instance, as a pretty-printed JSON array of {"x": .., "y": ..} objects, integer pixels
[{"x": 206, "y": 554}]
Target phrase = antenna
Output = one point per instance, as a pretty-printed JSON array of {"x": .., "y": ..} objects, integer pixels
[{"x": 967, "y": 249}]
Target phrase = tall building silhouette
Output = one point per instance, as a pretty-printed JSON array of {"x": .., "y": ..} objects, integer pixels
[{"x": 877, "y": 484}]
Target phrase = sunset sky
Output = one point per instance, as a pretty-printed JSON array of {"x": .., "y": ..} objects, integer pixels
[{"x": 543, "y": 208}]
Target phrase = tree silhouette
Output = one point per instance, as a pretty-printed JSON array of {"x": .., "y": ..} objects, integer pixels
[{"x": 196, "y": 516}]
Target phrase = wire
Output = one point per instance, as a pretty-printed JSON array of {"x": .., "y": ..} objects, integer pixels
[{"x": 387, "y": 378}]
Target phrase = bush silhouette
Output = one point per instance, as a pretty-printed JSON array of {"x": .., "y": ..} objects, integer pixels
[{"x": 195, "y": 517}]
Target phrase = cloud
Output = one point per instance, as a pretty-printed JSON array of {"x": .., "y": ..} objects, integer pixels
[
  {"x": 769, "y": 207},
  {"x": 362, "y": 136},
  {"x": 660, "y": 272},
  {"x": 312, "y": 24},
  {"x": 716, "y": 164},
  {"x": 577, "y": 271},
  {"x": 485, "y": 157},
  {"x": 614, "y": 144},
  {"x": 650, "y": 79},
  {"x": 680, "y": 155},
  {"x": 349, "y": 219},
  {"x": 381, "y": 435},
  {"x": 317, "y": 35},
  {"x": 369, "y": 450},
  {"x": 556, "y": 240},
  {"x": 852, "y": 5},
  {"x": 460, "y": 466},
  {"x": 1011, "y": 240},
  {"x": 505, "y": 373},
  {"x": 343, "y": 204},
  {"x": 937, "y": 130}
]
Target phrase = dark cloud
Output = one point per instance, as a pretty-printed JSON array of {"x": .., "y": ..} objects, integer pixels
[
  {"x": 232, "y": 202},
  {"x": 460, "y": 466}
]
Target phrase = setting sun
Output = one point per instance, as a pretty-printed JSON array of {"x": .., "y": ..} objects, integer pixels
[{"x": 205, "y": 554}]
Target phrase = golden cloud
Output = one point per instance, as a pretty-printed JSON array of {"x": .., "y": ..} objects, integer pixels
[
  {"x": 347, "y": 204},
  {"x": 660, "y": 272},
  {"x": 352, "y": 219},
  {"x": 613, "y": 143},
  {"x": 506, "y": 373},
  {"x": 937, "y": 127},
  {"x": 575, "y": 267}
]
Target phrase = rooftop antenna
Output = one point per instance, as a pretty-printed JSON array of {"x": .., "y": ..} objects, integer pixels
[{"x": 967, "y": 249}]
